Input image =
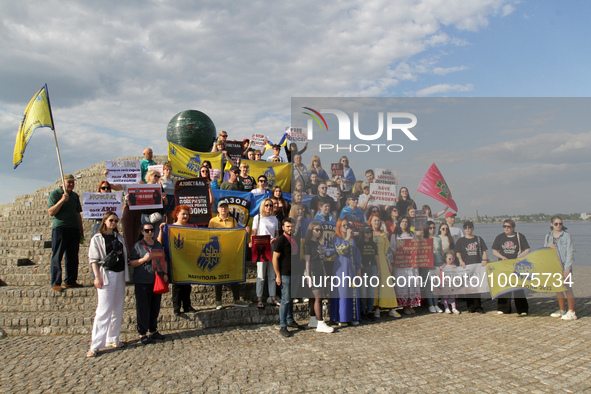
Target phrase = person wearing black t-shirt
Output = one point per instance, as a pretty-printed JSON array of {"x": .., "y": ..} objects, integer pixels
[
  {"x": 511, "y": 245},
  {"x": 471, "y": 249}
]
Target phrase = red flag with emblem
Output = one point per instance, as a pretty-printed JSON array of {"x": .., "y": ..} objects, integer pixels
[{"x": 434, "y": 186}]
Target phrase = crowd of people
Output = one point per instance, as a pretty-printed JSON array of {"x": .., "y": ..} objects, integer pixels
[{"x": 366, "y": 235}]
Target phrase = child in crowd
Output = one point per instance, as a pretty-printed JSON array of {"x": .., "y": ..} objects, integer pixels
[{"x": 450, "y": 300}]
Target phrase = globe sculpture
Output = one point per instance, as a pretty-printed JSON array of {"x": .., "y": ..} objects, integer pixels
[{"x": 193, "y": 130}]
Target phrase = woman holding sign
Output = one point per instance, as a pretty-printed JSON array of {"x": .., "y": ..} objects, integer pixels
[
  {"x": 147, "y": 257},
  {"x": 408, "y": 289},
  {"x": 265, "y": 223},
  {"x": 181, "y": 294},
  {"x": 154, "y": 216}
]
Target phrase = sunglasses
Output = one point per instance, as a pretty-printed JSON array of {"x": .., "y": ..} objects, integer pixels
[
  {"x": 113, "y": 220},
  {"x": 148, "y": 230},
  {"x": 262, "y": 181},
  {"x": 507, "y": 226},
  {"x": 105, "y": 188},
  {"x": 558, "y": 224},
  {"x": 317, "y": 230},
  {"x": 268, "y": 205},
  {"x": 156, "y": 176}
]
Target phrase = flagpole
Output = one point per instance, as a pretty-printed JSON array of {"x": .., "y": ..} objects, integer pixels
[{"x": 57, "y": 149}]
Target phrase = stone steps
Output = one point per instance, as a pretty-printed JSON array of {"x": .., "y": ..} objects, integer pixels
[
  {"x": 39, "y": 274},
  {"x": 28, "y": 306},
  {"x": 44, "y": 299},
  {"x": 80, "y": 322}
]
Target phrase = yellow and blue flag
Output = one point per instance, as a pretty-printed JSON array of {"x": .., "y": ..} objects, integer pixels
[
  {"x": 186, "y": 162},
  {"x": 207, "y": 256},
  {"x": 278, "y": 174},
  {"x": 539, "y": 271},
  {"x": 37, "y": 114}
]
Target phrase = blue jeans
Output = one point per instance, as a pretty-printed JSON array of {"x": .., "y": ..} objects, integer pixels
[
  {"x": 367, "y": 294},
  {"x": 64, "y": 241},
  {"x": 286, "y": 307}
]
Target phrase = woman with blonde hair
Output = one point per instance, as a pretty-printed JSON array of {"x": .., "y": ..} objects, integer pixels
[
  {"x": 265, "y": 223},
  {"x": 316, "y": 167},
  {"x": 386, "y": 295}
]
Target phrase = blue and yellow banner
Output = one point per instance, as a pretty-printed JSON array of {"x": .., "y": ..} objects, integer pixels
[
  {"x": 207, "y": 256},
  {"x": 539, "y": 271},
  {"x": 186, "y": 162},
  {"x": 37, "y": 114},
  {"x": 278, "y": 174}
]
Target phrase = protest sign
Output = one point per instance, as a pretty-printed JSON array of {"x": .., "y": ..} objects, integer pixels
[
  {"x": 123, "y": 171},
  {"x": 95, "y": 205},
  {"x": 382, "y": 194},
  {"x": 158, "y": 261},
  {"x": 452, "y": 281},
  {"x": 333, "y": 192},
  {"x": 144, "y": 196},
  {"x": 194, "y": 193},
  {"x": 336, "y": 169},
  {"x": 420, "y": 221},
  {"x": 296, "y": 134},
  {"x": 258, "y": 141},
  {"x": 157, "y": 167},
  {"x": 234, "y": 149},
  {"x": 413, "y": 253},
  {"x": 261, "y": 248},
  {"x": 387, "y": 176}
]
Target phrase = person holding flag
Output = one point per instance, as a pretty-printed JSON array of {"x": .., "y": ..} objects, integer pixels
[{"x": 64, "y": 205}]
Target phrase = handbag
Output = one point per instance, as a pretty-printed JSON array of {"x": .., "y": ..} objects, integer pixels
[
  {"x": 110, "y": 260},
  {"x": 160, "y": 285}
]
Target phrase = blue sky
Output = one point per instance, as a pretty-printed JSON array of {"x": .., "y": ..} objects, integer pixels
[{"x": 117, "y": 73}]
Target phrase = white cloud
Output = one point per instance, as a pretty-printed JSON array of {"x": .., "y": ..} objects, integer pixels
[
  {"x": 444, "y": 88},
  {"x": 129, "y": 67}
]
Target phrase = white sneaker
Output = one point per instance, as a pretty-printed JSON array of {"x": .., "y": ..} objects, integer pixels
[
  {"x": 296, "y": 301},
  {"x": 395, "y": 314},
  {"x": 447, "y": 311},
  {"x": 455, "y": 311},
  {"x": 569, "y": 316},
  {"x": 306, "y": 300},
  {"x": 313, "y": 322},
  {"x": 523, "y": 314},
  {"x": 377, "y": 314},
  {"x": 323, "y": 327},
  {"x": 438, "y": 309},
  {"x": 354, "y": 323},
  {"x": 500, "y": 313},
  {"x": 558, "y": 313},
  {"x": 432, "y": 309}
]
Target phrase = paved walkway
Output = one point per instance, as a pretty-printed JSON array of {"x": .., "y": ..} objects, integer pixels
[{"x": 423, "y": 353}]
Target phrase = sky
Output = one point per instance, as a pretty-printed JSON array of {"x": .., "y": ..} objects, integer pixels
[{"x": 117, "y": 72}]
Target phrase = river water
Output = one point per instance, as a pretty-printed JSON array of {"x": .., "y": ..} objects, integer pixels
[{"x": 535, "y": 233}]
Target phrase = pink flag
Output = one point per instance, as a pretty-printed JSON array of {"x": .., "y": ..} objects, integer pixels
[{"x": 434, "y": 186}]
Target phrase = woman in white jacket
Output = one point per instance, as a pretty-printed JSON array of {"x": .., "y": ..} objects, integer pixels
[{"x": 110, "y": 284}]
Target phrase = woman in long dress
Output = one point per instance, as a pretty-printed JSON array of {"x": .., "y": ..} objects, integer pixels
[
  {"x": 344, "y": 306},
  {"x": 407, "y": 279},
  {"x": 386, "y": 295}
]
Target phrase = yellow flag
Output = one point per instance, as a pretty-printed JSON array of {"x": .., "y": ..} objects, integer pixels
[
  {"x": 207, "y": 256},
  {"x": 539, "y": 271},
  {"x": 278, "y": 174},
  {"x": 37, "y": 114},
  {"x": 186, "y": 162}
]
